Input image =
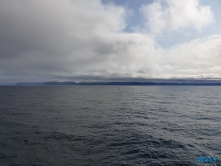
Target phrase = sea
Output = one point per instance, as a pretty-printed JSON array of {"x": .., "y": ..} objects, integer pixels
[{"x": 110, "y": 125}]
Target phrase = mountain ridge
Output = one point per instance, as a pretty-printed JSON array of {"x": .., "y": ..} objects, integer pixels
[{"x": 163, "y": 83}]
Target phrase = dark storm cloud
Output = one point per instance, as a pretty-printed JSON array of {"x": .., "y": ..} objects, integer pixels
[{"x": 53, "y": 36}]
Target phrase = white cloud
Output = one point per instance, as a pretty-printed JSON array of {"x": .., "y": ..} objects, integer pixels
[
  {"x": 174, "y": 15},
  {"x": 42, "y": 40},
  {"x": 200, "y": 56}
]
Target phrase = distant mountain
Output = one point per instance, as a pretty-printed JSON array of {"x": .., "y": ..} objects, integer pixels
[
  {"x": 29, "y": 83},
  {"x": 179, "y": 83},
  {"x": 59, "y": 83},
  {"x": 152, "y": 83}
]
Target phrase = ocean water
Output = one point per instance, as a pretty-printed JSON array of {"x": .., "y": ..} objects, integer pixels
[{"x": 109, "y": 125}]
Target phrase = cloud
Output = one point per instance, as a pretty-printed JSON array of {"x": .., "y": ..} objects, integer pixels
[
  {"x": 173, "y": 15},
  {"x": 196, "y": 58},
  {"x": 84, "y": 40},
  {"x": 55, "y": 35}
]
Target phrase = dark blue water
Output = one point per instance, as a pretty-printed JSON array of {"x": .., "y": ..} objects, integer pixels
[{"x": 109, "y": 125}]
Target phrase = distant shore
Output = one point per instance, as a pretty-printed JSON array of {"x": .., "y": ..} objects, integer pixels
[{"x": 52, "y": 83}]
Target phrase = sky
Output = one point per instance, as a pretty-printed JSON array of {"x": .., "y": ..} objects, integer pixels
[{"x": 98, "y": 40}]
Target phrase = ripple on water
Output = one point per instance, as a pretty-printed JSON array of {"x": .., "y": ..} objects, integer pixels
[{"x": 109, "y": 125}]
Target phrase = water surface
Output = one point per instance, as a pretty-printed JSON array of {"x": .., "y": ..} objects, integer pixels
[{"x": 109, "y": 125}]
